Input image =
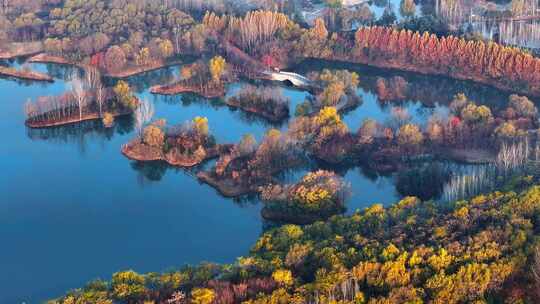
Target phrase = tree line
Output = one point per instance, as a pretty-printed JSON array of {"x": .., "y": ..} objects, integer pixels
[{"x": 450, "y": 55}]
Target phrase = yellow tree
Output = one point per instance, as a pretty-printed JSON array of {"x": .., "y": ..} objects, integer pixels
[
  {"x": 333, "y": 93},
  {"x": 143, "y": 56},
  {"x": 217, "y": 67},
  {"x": 124, "y": 95},
  {"x": 283, "y": 277},
  {"x": 200, "y": 124},
  {"x": 165, "y": 48},
  {"x": 202, "y": 296},
  {"x": 153, "y": 136},
  {"x": 410, "y": 135}
]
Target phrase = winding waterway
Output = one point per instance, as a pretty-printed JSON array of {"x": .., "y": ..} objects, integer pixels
[{"x": 73, "y": 208}]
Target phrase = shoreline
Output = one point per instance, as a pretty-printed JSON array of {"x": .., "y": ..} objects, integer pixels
[
  {"x": 381, "y": 64},
  {"x": 130, "y": 72},
  {"x": 25, "y": 75},
  {"x": 178, "y": 88},
  {"x": 134, "y": 150},
  {"x": 253, "y": 110},
  {"x": 24, "y": 49},
  {"x": 126, "y": 73},
  {"x": 431, "y": 71},
  {"x": 221, "y": 188},
  {"x": 86, "y": 117},
  {"x": 298, "y": 219}
]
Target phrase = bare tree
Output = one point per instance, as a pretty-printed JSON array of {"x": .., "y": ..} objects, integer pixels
[
  {"x": 76, "y": 86},
  {"x": 143, "y": 114},
  {"x": 94, "y": 84},
  {"x": 100, "y": 98}
]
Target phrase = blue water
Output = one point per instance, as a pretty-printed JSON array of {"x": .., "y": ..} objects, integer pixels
[{"x": 73, "y": 208}]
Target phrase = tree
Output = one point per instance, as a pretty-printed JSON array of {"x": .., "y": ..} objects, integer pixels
[
  {"x": 100, "y": 93},
  {"x": 200, "y": 124},
  {"x": 108, "y": 119},
  {"x": 334, "y": 3},
  {"x": 458, "y": 103},
  {"x": 399, "y": 116},
  {"x": 143, "y": 115},
  {"x": 435, "y": 131},
  {"x": 179, "y": 22},
  {"x": 78, "y": 91},
  {"x": 368, "y": 130},
  {"x": 28, "y": 25},
  {"x": 506, "y": 131},
  {"x": 474, "y": 114},
  {"x": 409, "y": 135},
  {"x": 319, "y": 30},
  {"x": 101, "y": 41},
  {"x": 153, "y": 136},
  {"x": 115, "y": 59},
  {"x": 283, "y": 277},
  {"x": 258, "y": 27},
  {"x": 217, "y": 67},
  {"x": 247, "y": 144},
  {"x": 202, "y": 296},
  {"x": 124, "y": 95},
  {"x": 143, "y": 57},
  {"x": 186, "y": 72},
  {"x": 333, "y": 93},
  {"x": 165, "y": 48},
  {"x": 407, "y": 8},
  {"x": 523, "y": 106},
  {"x": 127, "y": 285},
  {"x": 387, "y": 18},
  {"x": 93, "y": 84}
]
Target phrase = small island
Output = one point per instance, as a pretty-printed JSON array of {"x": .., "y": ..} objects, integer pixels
[
  {"x": 25, "y": 73},
  {"x": 87, "y": 99},
  {"x": 185, "y": 145},
  {"x": 250, "y": 165},
  {"x": 333, "y": 88},
  {"x": 317, "y": 196},
  {"x": 204, "y": 79},
  {"x": 265, "y": 102},
  {"x": 11, "y": 50}
]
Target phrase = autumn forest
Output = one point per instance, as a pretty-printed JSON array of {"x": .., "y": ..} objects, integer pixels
[{"x": 270, "y": 151}]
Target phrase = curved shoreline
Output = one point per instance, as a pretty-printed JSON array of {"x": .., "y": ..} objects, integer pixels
[
  {"x": 125, "y": 73},
  {"x": 432, "y": 71},
  {"x": 253, "y": 110},
  {"x": 137, "y": 151},
  {"x": 222, "y": 188}
]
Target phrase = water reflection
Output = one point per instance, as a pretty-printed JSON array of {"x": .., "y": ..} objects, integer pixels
[
  {"x": 170, "y": 200},
  {"x": 425, "y": 181},
  {"x": 79, "y": 133},
  {"x": 402, "y": 88},
  {"x": 149, "y": 171}
]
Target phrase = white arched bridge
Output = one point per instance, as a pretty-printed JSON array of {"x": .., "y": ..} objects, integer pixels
[{"x": 296, "y": 80}]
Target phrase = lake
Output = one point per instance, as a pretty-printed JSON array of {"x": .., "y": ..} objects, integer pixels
[{"x": 73, "y": 208}]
